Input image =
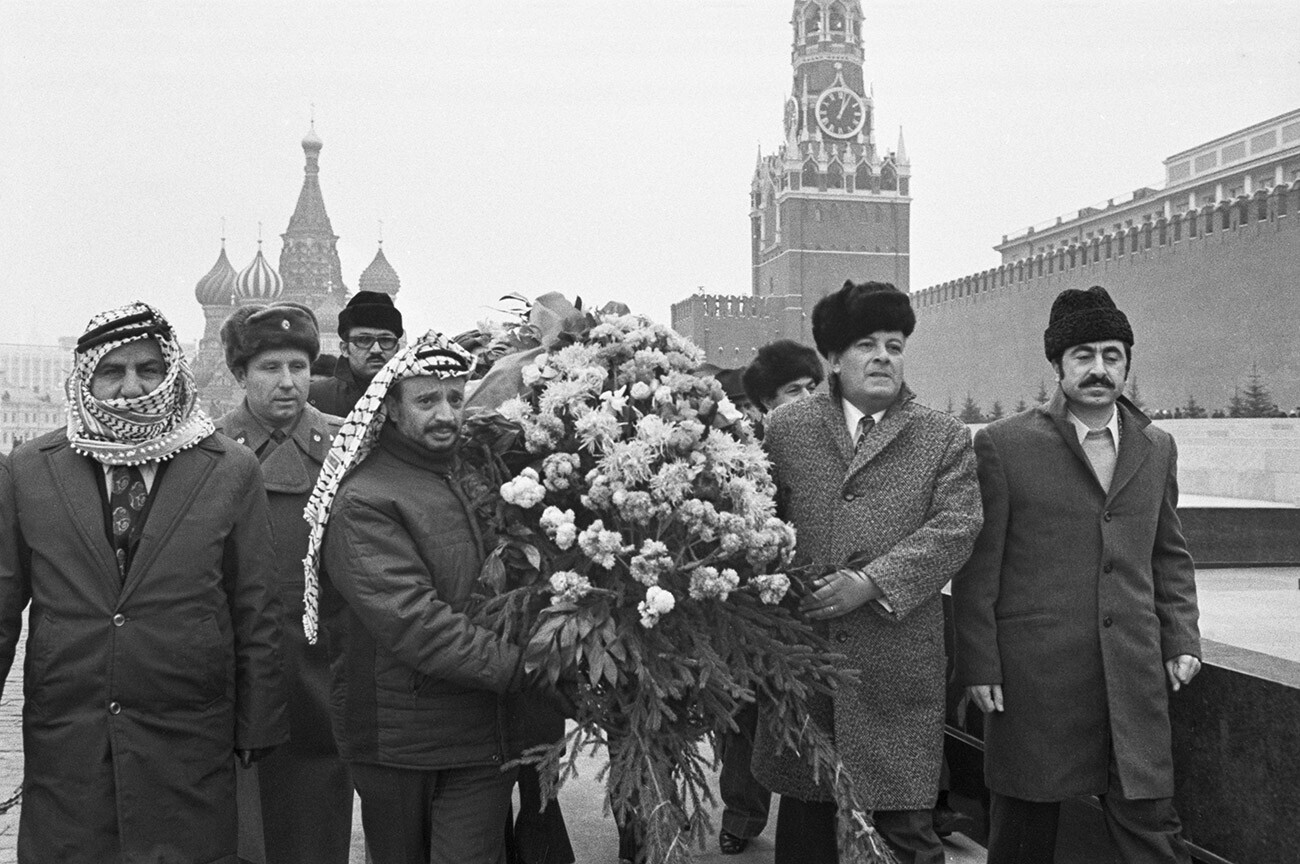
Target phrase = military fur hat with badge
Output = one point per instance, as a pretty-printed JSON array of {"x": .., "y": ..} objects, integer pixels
[{"x": 250, "y": 330}]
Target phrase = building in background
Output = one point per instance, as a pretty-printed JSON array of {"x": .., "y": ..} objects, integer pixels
[
  {"x": 1207, "y": 269},
  {"x": 827, "y": 206},
  {"x": 309, "y": 273}
]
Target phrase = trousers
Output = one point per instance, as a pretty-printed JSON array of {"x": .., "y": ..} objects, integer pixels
[
  {"x": 806, "y": 833},
  {"x": 448, "y": 816},
  {"x": 745, "y": 801}
]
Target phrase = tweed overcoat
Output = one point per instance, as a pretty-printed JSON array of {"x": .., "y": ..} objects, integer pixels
[
  {"x": 137, "y": 694},
  {"x": 1072, "y": 600},
  {"x": 906, "y": 509}
]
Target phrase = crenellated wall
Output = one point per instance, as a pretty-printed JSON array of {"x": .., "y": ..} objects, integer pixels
[
  {"x": 731, "y": 328},
  {"x": 1209, "y": 293}
]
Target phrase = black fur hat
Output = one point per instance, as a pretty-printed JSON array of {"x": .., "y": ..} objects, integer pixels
[
  {"x": 1084, "y": 316},
  {"x": 777, "y": 364},
  {"x": 370, "y": 309},
  {"x": 859, "y": 309},
  {"x": 250, "y": 330}
]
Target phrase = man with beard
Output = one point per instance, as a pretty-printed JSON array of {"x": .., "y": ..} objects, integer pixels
[
  {"x": 1076, "y": 614},
  {"x": 302, "y": 792},
  {"x": 142, "y": 542},
  {"x": 370, "y": 327},
  {"x": 418, "y": 696}
]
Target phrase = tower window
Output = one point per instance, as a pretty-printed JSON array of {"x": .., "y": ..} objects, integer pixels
[
  {"x": 889, "y": 178},
  {"x": 834, "y": 176},
  {"x": 837, "y": 21},
  {"x": 862, "y": 176},
  {"x": 809, "y": 179}
]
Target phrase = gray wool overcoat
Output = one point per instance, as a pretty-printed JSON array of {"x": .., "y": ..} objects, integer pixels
[
  {"x": 137, "y": 694},
  {"x": 1072, "y": 601},
  {"x": 906, "y": 509}
]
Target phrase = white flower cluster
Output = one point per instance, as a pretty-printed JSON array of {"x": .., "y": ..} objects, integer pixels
[
  {"x": 600, "y": 545},
  {"x": 560, "y": 470},
  {"x": 707, "y": 583},
  {"x": 568, "y": 587},
  {"x": 772, "y": 587},
  {"x": 651, "y": 562},
  {"x": 525, "y": 490},
  {"x": 657, "y": 603},
  {"x": 559, "y": 526}
]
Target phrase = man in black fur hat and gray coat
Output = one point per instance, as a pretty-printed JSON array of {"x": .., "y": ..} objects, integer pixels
[
  {"x": 304, "y": 806},
  {"x": 884, "y": 496},
  {"x": 370, "y": 329},
  {"x": 1076, "y": 615}
]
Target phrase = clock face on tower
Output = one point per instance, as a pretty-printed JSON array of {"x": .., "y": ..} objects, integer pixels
[{"x": 840, "y": 112}]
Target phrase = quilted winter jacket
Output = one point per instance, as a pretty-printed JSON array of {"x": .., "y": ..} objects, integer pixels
[{"x": 415, "y": 683}]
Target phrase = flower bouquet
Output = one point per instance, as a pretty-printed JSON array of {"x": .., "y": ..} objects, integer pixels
[{"x": 640, "y": 561}]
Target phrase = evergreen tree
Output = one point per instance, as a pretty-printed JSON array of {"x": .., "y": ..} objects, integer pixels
[
  {"x": 1133, "y": 395},
  {"x": 1193, "y": 410},
  {"x": 949, "y": 409},
  {"x": 970, "y": 412},
  {"x": 996, "y": 413},
  {"x": 1043, "y": 397},
  {"x": 1257, "y": 401},
  {"x": 1236, "y": 405},
  {"x": 1021, "y": 407}
]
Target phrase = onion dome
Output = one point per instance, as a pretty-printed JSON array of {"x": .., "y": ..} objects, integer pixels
[
  {"x": 217, "y": 288},
  {"x": 258, "y": 282},
  {"x": 380, "y": 275},
  {"x": 311, "y": 141}
]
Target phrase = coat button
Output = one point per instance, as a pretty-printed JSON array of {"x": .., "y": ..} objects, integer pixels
[
  {"x": 119, "y": 619},
  {"x": 1106, "y": 516},
  {"x": 849, "y": 496},
  {"x": 1106, "y": 622},
  {"x": 842, "y": 636},
  {"x": 114, "y": 708},
  {"x": 1109, "y": 567}
]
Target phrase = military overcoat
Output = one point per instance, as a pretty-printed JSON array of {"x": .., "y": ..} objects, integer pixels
[
  {"x": 904, "y": 507},
  {"x": 137, "y": 693},
  {"x": 1072, "y": 601}
]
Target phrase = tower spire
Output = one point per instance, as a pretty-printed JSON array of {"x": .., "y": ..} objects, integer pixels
[{"x": 901, "y": 153}]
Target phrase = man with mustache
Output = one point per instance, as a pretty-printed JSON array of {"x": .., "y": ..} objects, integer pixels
[
  {"x": 418, "y": 700},
  {"x": 370, "y": 328},
  {"x": 1076, "y": 614}
]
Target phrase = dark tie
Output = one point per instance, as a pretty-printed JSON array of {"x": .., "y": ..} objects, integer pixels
[
  {"x": 865, "y": 425},
  {"x": 126, "y": 500},
  {"x": 275, "y": 440}
]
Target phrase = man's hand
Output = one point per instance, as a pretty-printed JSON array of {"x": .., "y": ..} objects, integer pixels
[
  {"x": 1181, "y": 670},
  {"x": 987, "y": 696},
  {"x": 248, "y": 757},
  {"x": 839, "y": 593}
]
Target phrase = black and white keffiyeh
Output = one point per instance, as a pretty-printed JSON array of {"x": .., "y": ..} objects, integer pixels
[
  {"x": 150, "y": 428},
  {"x": 432, "y": 355}
]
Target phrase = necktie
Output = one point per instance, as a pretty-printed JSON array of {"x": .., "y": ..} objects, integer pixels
[
  {"x": 275, "y": 440},
  {"x": 1100, "y": 450},
  {"x": 865, "y": 425},
  {"x": 126, "y": 500}
]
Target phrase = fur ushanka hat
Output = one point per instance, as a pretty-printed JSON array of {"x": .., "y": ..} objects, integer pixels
[
  {"x": 859, "y": 309},
  {"x": 1084, "y": 316},
  {"x": 250, "y": 330}
]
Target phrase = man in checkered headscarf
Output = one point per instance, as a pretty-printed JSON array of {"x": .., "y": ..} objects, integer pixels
[
  {"x": 142, "y": 542},
  {"x": 419, "y": 700}
]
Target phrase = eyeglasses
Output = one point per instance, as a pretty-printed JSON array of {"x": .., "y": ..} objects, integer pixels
[{"x": 386, "y": 343}]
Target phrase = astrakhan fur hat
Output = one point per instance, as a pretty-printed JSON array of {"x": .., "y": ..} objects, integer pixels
[
  {"x": 859, "y": 309},
  {"x": 1079, "y": 317},
  {"x": 777, "y": 364}
]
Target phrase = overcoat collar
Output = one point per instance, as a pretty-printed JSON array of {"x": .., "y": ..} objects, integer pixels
[
  {"x": 288, "y": 469},
  {"x": 1134, "y": 443},
  {"x": 78, "y": 479},
  {"x": 894, "y": 421}
]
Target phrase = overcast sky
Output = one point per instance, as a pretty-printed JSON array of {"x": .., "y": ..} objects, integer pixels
[{"x": 589, "y": 146}]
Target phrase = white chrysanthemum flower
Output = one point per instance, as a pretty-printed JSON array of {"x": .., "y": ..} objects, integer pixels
[
  {"x": 601, "y": 546},
  {"x": 772, "y": 587},
  {"x": 524, "y": 491},
  {"x": 597, "y": 431},
  {"x": 657, "y": 603},
  {"x": 516, "y": 410},
  {"x": 568, "y": 586}
]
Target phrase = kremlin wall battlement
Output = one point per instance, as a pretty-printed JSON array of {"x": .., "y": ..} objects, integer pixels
[
  {"x": 1210, "y": 293},
  {"x": 729, "y": 328}
]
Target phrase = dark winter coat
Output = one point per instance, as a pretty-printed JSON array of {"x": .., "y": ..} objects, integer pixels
[
  {"x": 416, "y": 683},
  {"x": 905, "y": 508},
  {"x": 338, "y": 394},
  {"x": 138, "y": 694},
  {"x": 289, "y": 473},
  {"x": 1072, "y": 601}
]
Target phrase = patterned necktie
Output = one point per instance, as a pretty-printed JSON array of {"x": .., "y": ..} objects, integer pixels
[
  {"x": 126, "y": 500},
  {"x": 1100, "y": 450},
  {"x": 865, "y": 425}
]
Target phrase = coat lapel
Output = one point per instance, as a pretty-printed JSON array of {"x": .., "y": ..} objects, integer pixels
[
  {"x": 1134, "y": 446},
  {"x": 174, "y": 494},
  {"x": 836, "y": 427},
  {"x": 289, "y": 468},
  {"x": 1056, "y": 410},
  {"x": 75, "y": 476}
]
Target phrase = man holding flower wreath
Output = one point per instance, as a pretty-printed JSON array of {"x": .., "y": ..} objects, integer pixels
[{"x": 884, "y": 495}]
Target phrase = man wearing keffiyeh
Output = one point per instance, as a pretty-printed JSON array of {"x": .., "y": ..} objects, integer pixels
[
  {"x": 418, "y": 702},
  {"x": 142, "y": 542}
]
